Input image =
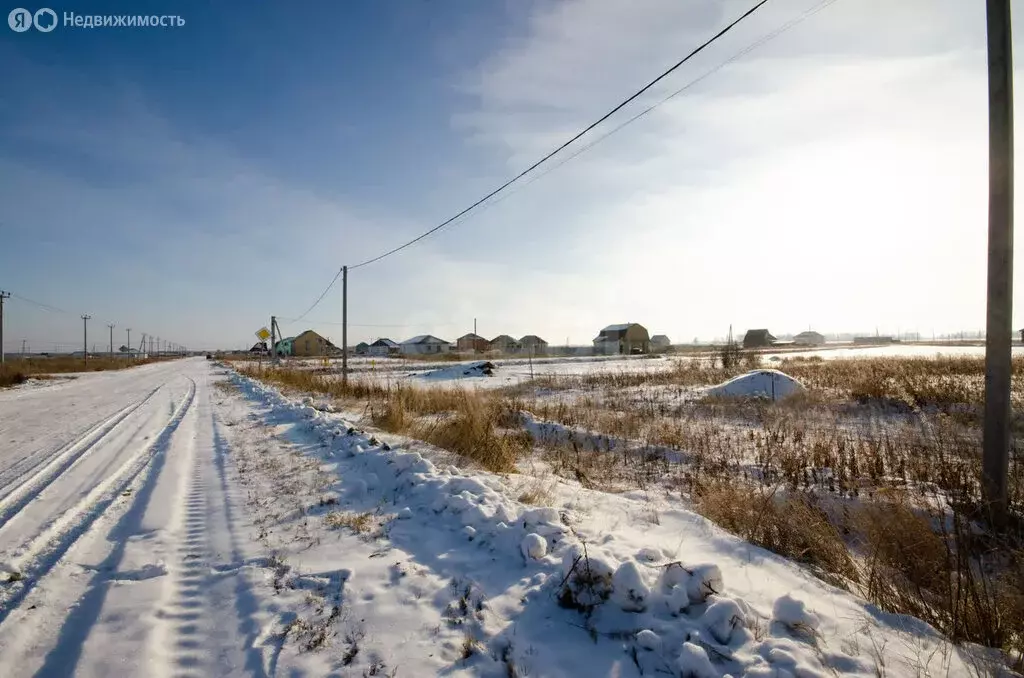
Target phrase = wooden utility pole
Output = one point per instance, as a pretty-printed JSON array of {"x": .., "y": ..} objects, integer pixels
[
  {"x": 3, "y": 295},
  {"x": 344, "y": 325},
  {"x": 111, "y": 326},
  {"x": 85, "y": 337},
  {"x": 996, "y": 439}
]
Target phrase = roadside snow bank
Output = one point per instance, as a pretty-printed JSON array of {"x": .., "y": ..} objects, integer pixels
[
  {"x": 771, "y": 384},
  {"x": 584, "y": 590}
]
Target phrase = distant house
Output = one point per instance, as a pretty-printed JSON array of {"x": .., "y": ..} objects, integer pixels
[
  {"x": 425, "y": 344},
  {"x": 472, "y": 343},
  {"x": 627, "y": 339},
  {"x": 384, "y": 347},
  {"x": 660, "y": 342},
  {"x": 809, "y": 338},
  {"x": 362, "y": 348},
  {"x": 533, "y": 345},
  {"x": 873, "y": 341},
  {"x": 504, "y": 344},
  {"x": 758, "y": 339},
  {"x": 308, "y": 344},
  {"x": 284, "y": 347}
]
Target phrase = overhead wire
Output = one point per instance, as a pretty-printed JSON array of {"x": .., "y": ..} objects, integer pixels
[
  {"x": 823, "y": 4},
  {"x": 56, "y": 309},
  {"x": 544, "y": 159},
  {"x": 567, "y": 143}
]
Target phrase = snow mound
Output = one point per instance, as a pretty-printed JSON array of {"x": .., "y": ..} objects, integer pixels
[
  {"x": 534, "y": 547},
  {"x": 629, "y": 591},
  {"x": 695, "y": 663},
  {"x": 480, "y": 369},
  {"x": 794, "y": 614},
  {"x": 770, "y": 384},
  {"x": 648, "y": 640},
  {"x": 722, "y": 617}
]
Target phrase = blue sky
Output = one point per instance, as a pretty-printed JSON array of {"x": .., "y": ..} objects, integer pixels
[{"x": 190, "y": 182}]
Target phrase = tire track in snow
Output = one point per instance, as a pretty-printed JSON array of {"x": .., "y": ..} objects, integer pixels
[
  {"x": 35, "y": 559},
  {"x": 182, "y": 625},
  {"x": 52, "y": 468}
]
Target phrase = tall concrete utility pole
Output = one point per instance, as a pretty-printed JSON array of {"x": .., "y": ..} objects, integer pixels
[
  {"x": 111, "y": 326},
  {"x": 128, "y": 344},
  {"x": 344, "y": 326},
  {"x": 996, "y": 439},
  {"x": 85, "y": 337},
  {"x": 3, "y": 295}
]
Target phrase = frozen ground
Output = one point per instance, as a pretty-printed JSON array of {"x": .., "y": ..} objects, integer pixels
[{"x": 155, "y": 523}]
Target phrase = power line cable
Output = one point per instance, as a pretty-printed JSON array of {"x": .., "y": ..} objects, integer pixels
[
  {"x": 547, "y": 157},
  {"x": 747, "y": 50},
  {"x": 45, "y": 307},
  {"x": 555, "y": 152}
]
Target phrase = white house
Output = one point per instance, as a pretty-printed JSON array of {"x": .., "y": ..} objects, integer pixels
[
  {"x": 809, "y": 338},
  {"x": 425, "y": 344},
  {"x": 383, "y": 347}
]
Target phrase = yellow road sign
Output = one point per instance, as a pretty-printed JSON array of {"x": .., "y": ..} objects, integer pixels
[{"x": 263, "y": 334}]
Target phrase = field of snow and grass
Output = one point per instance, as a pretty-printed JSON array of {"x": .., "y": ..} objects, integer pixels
[
  {"x": 866, "y": 454},
  {"x": 511, "y": 371}
]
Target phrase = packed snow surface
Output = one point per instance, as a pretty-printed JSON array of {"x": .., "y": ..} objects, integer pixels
[{"x": 177, "y": 519}]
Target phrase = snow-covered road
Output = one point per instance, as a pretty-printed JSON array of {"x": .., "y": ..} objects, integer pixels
[{"x": 115, "y": 537}]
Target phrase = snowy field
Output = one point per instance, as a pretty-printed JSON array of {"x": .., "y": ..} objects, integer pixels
[
  {"x": 511, "y": 372},
  {"x": 157, "y": 522}
]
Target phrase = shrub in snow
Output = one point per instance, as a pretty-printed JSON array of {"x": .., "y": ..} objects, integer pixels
[
  {"x": 704, "y": 581},
  {"x": 648, "y": 640},
  {"x": 694, "y": 663},
  {"x": 793, "y": 613},
  {"x": 628, "y": 588},
  {"x": 649, "y": 555},
  {"x": 722, "y": 617},
  {"x": 588, "y": 579},
  {"x": 534, "y": 547}
]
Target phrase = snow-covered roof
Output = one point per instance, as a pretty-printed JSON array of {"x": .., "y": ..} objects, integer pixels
[
  {"x": 503, "y": 337},
  {"x": 660, "y": 338},
  {"x": 532, "y": 337},
  {"x": 618, "y": 328},
  {"x": 424, "y": 339},
  {"x": 471, "y": 336},
  {"x": 384, "y": 341}
]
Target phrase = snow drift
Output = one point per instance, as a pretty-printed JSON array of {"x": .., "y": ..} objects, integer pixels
[
  {"x": 770, "y": 384},
  {"x": 479, "y": 369}
]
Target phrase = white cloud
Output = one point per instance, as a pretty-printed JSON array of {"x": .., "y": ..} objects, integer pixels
[{"x": 834, "y": 177}]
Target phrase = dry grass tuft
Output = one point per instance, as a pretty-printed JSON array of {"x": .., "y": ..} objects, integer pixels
[
  {"x": 360, "y": 523},
  {"x": 791, "y": 525}
]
